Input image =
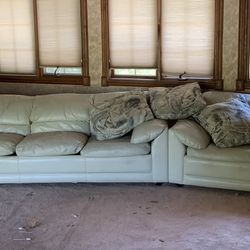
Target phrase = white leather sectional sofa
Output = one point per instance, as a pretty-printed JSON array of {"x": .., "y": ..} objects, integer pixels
[
  {"x": 24, "y": 120},
  {"x": 39, "y": 118},
  {"x": 211, "y": 166}
]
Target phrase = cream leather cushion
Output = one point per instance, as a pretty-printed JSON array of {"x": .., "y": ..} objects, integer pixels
[
  {"x": 61, "y": 112},
  {"x": 148, "y": 131},
  {"x": 8, "y": 143},
  {"x": 114, "y": 148},
  {"x": 191, "y": 134},
  {"x": 213, "y": 153},
  {"x": 15, "y": 113},
  {"x": 52, "y": 144}
]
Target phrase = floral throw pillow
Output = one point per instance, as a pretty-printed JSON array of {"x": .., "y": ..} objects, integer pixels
[
  {"x": 177, "y": 103},
  {"x": 228, "y": 122},
  {"x": 119, "y": 115}
]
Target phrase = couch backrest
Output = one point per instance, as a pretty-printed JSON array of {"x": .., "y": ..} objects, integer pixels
[
  {"x": 213, "y": 97},
  {"x": 61, "y": 112},
  {"x": 15, "y": 113}
]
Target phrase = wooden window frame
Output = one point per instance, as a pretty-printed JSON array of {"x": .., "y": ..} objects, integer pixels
[
  {"x": 39, "y": 76},
  {"x": 243, "y": 81},
  {"x": 107, "y": 73}
]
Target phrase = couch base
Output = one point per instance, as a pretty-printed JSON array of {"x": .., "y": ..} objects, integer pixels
[
  {"x": 77, "y": 169},
  {"x": 215, "y": 174},
  {"x": 216, "y": 183}
]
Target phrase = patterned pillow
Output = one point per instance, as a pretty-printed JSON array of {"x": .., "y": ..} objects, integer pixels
[
  {"x": 228, "y": 122},
  {"x": 119, "y": 115},
  {"x": 177, "y": 103}
]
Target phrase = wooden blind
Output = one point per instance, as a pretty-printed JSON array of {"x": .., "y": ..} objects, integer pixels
[
  {"x": 59, "y": 32},
  {"x": 17, "y": 49},
  {"x": 188, "y": 31},
  {"x": 133, "y": 33}
]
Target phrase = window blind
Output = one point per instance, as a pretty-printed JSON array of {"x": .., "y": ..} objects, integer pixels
[
  {"x": 59, "y": 32},
  {"x": 188, "y": 37},
  {"x": 133, "y": 33},
  {"x": 17, "y": 49}
]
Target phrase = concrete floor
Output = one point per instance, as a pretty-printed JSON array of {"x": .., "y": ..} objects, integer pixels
[{"x": 120, "y": 216}]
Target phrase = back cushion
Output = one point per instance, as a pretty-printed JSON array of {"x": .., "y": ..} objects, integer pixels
[
  {"x": 61, "y": 112},
  {"x": 213, "y": 97},
  {"x": 15, "y": 113}
]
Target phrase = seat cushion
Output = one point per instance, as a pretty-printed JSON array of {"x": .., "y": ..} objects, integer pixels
[
  {"x": 236, "y": 154},
  {"x": 117, "y": 116},
  {"x": 228, "y": 122},
  {"x": 177, "y": 103},
  {"x": 52, "y": 144},
  {"x": 61, "y": 112},
  {"x": 15, "y": 113},
  {"x": 114, "y": 148},
  {"x": 8, "y": 143}
]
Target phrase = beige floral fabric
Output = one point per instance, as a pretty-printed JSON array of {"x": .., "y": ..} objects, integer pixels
[
  {"x": 177, "y": 103},
  {"x": 119, "y": 115},
  {"x": 228, "y": 122}
]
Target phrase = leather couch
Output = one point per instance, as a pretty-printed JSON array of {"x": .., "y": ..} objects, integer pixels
[
  {"x": 48, "y": 138},
  {"x": 192, "y": 163}
]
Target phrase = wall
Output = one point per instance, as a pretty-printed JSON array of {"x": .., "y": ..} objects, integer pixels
[
  {"x": 230, "y": 44},
  {"x": 230, "y": 50}
]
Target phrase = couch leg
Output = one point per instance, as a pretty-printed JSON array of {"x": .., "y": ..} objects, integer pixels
[
  {"x": 159, "y": 184},
  {"x": 179, "y": 185}
]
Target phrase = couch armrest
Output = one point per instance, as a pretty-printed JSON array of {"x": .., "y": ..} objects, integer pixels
[
  {"x": 159, "y": 151},
  {"x": 176, "y": 154},
  {"x": 185, "y": 133}
]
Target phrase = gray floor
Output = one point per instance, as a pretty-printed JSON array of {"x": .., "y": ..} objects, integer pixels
[{"x": 120, "y": 216}]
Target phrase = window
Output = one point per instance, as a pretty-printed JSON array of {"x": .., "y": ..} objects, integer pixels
[
  {"x": 44, "y": 41},
  {"x": 162, "y": 42},
  {"x": 243, "y": 81},
  {"x": 17, "y": 47}
]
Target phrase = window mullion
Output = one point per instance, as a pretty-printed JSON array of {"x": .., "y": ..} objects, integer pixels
[
  {"x": 218, "y": 40},
  {"x": 159, "y": 42},
  {"x": 38, "y": 71},
  {"x": 84, "y": 40}
]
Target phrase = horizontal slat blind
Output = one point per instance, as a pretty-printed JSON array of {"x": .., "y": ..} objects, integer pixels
[
  {"x": 17, "y": 49},
  {"x": 133, "y": 33},
  {"x": 59, "y": 32},
  {"x": 188, "y": 37}
]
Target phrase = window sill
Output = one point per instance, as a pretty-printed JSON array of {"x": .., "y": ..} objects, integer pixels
[
  {"x": 72, "y": 80},
  {"x": 216, "y": 84}
]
